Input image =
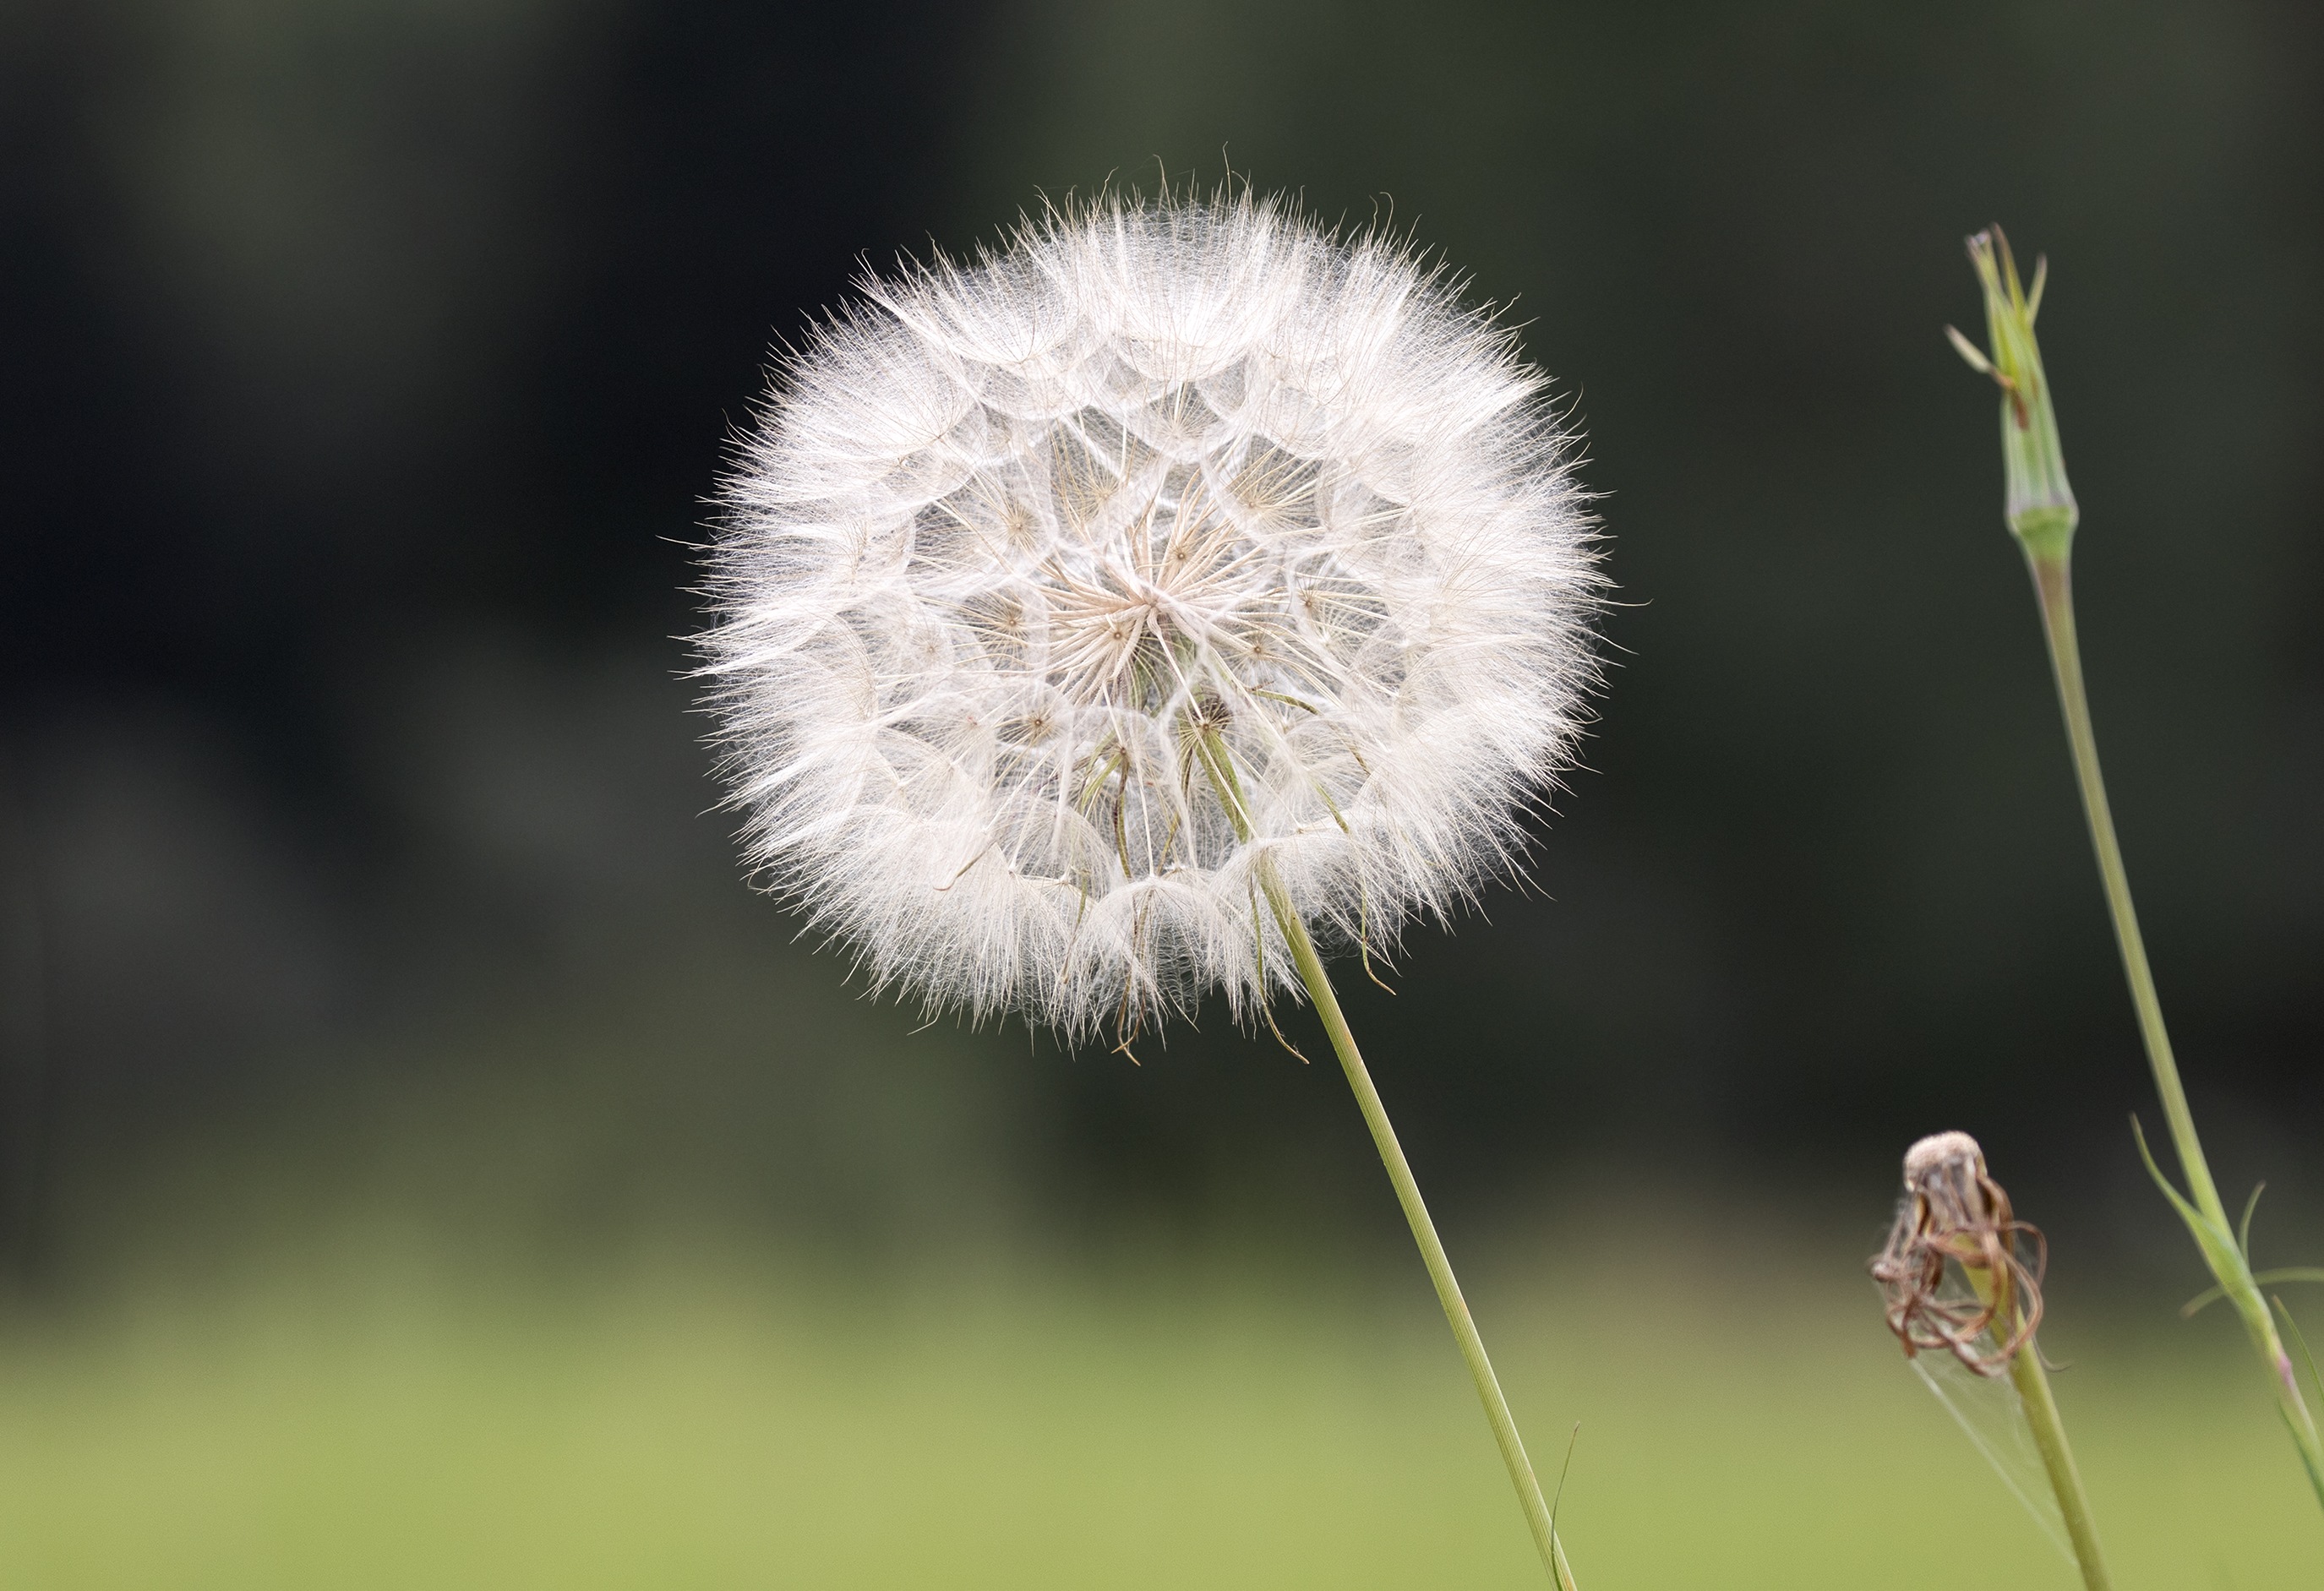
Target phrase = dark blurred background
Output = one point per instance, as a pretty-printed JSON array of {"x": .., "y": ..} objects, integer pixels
[{"x": 369, "y": 362}]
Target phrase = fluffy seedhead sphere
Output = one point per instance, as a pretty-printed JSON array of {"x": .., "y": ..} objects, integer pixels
[{"x": 1078, "y": 610}]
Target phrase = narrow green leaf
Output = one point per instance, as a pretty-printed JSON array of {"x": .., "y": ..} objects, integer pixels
[
  {"x": 2292, "y": 1326},
  {"x": 2204, "y": 1234},
  {"x": 1563, "y": 1469},
  {"x": 2243, "y": 1232},
  {"x": 1556, "y": 1568},
  {"x": 2211, "y": 1295}
]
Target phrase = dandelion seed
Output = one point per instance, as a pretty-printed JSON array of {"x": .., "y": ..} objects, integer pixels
[{"x": 1074, "y": 605}]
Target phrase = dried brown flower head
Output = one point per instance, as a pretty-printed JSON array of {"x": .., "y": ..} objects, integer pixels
[{"x": 1953, "y": 1210}]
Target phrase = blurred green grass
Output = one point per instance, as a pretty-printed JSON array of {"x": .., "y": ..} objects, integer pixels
[{"x": 369, "y": 1413}]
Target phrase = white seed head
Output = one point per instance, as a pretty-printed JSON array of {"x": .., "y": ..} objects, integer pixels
[{"x": 1069, "y": 603}]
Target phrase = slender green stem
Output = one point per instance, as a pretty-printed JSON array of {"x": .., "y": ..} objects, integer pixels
[
  {"x": 2032, "y": 1384},
  {"x": 1424, "y": 1232},
  {"x": 2065, "y": 1479},
  {"x": 2054, "y": 581}
]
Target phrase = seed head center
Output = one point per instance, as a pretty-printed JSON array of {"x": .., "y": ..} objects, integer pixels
[{"x": 1109, "y": 629}]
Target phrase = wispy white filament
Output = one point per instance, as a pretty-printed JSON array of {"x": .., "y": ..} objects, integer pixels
[{"x": 1067, "y": 600}]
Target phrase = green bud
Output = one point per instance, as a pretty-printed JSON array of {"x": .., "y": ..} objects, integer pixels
[{"x": 2039, "y": 505}]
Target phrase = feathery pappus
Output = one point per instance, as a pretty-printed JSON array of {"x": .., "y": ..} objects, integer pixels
[{"x": 1071, "y": 604}]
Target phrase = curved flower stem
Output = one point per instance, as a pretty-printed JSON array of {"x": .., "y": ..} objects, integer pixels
[
  {"x": 1424, "y": 1232},
  {"x": 2032, "y": 1384},
  {"x": 2050, "y": 560}
]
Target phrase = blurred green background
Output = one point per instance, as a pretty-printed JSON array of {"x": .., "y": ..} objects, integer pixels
[{"x": 422, "y": 1162}]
